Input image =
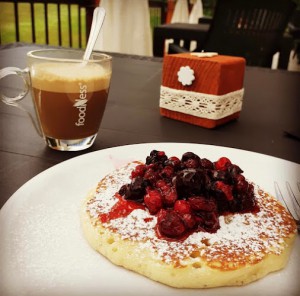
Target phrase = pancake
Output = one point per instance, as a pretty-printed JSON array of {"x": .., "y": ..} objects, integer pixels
[{"x": 246, "y": 246}]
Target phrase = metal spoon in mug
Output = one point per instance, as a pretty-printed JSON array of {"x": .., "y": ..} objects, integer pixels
[{"x": 98, "y": 19}]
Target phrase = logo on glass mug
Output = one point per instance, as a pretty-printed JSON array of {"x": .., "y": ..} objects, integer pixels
[{"x": 81, "y": 105}]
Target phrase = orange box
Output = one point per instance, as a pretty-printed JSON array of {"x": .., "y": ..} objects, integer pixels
[{"x": 205, "y": 91}]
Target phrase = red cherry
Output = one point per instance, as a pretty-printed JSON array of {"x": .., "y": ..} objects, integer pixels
[
  {"x": 174, "y": 161},
  {"x": 189, "y": 220},
  {"x": 153, "y": 201},
  {"x": 200, "y": 203},
  {"x": 171, "y": 224},
  {"x": 191, "y": 163},
  {"x": 170, "y": 197},
  {"x": 161, "y": 153},
  {"x": 222, "y": 164},
  {"x": 182, "y": 206}
]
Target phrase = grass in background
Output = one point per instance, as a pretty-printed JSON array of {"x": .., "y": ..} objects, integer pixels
[
  {"x": 155, "y": 17},
  {"x": 7, "y": 24}
]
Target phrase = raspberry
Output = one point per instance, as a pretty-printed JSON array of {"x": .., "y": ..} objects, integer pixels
[
  {"x": 153, "y": 201},
  {"x": 226, "y": 189},
  {"x": 239, "y": 178},
  {"x": 241, "y": 186},
  {"x": 161, "y": 215},
  {"x": 173, "y": 161},
  {"x": 160, "y": 184},
  {"x": 151, "y": 176},
  {"x": 200, "y": 203},
  {"x": 167, "y": 172},
  {"x": 138, "y": 171},
  {"x": 189, "y": 220},
  {"x": 222, "y": 164},
  {"x": 169, "y": 196},
  {"x": 161, "y": 154},
  {"x": 182, "y": 206}
]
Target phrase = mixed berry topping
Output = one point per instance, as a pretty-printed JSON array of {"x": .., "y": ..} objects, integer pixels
[{"x": 188, "y": 194}]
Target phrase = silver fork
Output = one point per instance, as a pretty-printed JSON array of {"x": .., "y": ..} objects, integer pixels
[{"x": 294, "y": 210}]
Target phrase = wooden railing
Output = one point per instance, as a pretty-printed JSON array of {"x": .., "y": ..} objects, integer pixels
[
  {"x": 57, "y": 22},
  {"x": 158, "y": 12},
  {"x": 82, "y": 8}
]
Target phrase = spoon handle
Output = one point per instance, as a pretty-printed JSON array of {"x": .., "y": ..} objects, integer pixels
[{"x": 98, "y": 19}]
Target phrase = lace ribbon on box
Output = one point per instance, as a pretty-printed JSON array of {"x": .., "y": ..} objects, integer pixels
[{"x": 200, "y": 104}]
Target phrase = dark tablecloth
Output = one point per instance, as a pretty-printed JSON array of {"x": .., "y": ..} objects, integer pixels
[{"x": 271, "y": 106}]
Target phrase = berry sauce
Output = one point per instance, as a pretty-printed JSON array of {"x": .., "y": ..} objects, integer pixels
[{"x": 121, "y": 209}]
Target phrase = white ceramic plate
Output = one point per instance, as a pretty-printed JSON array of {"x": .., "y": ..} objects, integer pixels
[{"x": 43, "y": 252}]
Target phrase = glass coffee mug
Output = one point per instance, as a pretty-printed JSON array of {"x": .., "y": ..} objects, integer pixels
[{"x": 69, "y": 95}]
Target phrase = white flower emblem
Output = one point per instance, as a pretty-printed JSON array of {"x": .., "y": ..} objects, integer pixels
[{"x": 186, "y": 75}]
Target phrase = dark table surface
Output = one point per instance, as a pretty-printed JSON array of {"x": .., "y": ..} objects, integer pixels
[{"x": 271, "y": 106}]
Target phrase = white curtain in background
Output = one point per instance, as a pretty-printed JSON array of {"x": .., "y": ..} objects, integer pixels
[
  {"x": 181, "y": 12},
  {"x": 196, "y": 13},
  {"x": 126, "y": 27},
  {"x": 181, "y": 15}
]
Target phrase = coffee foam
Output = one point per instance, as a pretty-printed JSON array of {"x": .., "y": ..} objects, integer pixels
[{"x": 66, "y": 77}]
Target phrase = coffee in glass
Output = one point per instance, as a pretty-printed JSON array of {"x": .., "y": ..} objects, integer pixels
[{"x": 69, "y": 95}]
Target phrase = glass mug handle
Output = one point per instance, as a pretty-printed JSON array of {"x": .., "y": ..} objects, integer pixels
[{"x": 13, "y": 101}]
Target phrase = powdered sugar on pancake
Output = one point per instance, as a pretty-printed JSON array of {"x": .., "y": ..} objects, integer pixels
[
  {"x": 104, "y": 198},
  {"x": 242, "y": 238}
]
